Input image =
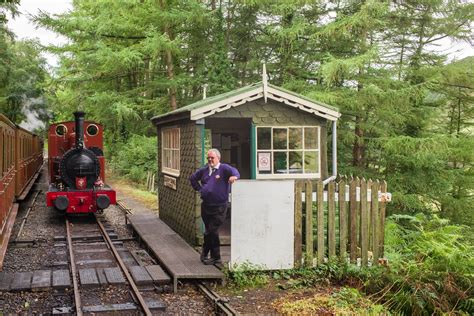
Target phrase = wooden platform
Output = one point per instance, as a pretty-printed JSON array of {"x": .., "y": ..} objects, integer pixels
[{"x": 178, "y": 258}]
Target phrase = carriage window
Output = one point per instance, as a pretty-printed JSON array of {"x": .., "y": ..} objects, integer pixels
[
  {"x": 92, "y": 130},
  {"x": 170, "y": 153},
  {"x": 61, "y": 130},
  {"x": 288, "y": 151}
]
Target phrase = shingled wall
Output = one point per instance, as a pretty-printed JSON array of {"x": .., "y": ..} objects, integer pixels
[{"x": 177, "y": 208}]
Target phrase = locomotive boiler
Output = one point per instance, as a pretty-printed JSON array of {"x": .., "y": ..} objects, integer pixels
[{"x": 77, "y": 167}]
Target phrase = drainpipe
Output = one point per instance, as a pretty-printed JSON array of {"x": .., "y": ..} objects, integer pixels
[{"x": 334, "y": 154}]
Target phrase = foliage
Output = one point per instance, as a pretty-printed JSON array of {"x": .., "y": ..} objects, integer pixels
[
  {"x": 247, "y": 275},
  {"x": 22, "y": 73},
  {"x": 135, "y": 158},
  {"x": 430, "y": 267},
  {"x": 343, "y": 301}
]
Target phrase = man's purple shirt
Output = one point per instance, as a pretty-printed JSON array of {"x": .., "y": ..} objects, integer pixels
[{"x": 214, "y": 188}]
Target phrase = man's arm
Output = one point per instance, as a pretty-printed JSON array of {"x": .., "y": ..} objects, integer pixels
[
  {"x": 233, "y": 174},
  {"x": 194, "y": 179}
]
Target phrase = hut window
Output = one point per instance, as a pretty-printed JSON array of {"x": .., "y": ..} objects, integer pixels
[
  {"x": 286, "y": 152},
  {"x": 170, "y": 153}
]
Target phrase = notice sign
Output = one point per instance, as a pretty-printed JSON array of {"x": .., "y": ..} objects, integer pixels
[
  {"x": 264, "y": 161},
  {"x": 170, "y": 182}
]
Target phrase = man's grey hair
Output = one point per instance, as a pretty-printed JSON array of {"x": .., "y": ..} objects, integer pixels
[{"x": 216, "y": 151}]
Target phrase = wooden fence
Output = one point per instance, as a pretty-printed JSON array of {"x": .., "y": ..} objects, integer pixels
[{"x": 345, "y": 221}]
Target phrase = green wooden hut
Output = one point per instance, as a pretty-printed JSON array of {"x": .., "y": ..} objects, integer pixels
[{"x": 265, "y": 131}]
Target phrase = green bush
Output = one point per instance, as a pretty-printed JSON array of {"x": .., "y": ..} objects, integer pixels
[
  {"x": 135, "y": 158},
  {"x": 247, "y": 276},
  {"x": 430, "y": 267}
]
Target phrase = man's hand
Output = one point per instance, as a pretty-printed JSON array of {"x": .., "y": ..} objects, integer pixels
[{"x": 232, "y": 179}]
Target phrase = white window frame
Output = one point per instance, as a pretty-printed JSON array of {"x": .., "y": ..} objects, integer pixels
[
  {"x": 176, "y": 149},
  {"x": 273, "y": 175}
]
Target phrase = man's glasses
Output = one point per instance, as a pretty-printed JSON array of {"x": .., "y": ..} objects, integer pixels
[{"x": 210, "y": 158}]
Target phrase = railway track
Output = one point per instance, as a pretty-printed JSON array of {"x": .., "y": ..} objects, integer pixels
[
  {"x": 99, "y": 254},
  {"x": 221, "y": 305},
  {"x": 98, "y": 269}
]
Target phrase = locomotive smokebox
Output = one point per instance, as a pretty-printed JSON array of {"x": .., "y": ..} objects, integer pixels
[{"x": 79, "y": 117}]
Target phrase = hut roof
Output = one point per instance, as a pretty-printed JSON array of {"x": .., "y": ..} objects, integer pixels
[{"x": 225, "y": 101}]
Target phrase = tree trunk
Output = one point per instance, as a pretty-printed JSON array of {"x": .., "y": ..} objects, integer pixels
[{"x": 169, "y": 64}]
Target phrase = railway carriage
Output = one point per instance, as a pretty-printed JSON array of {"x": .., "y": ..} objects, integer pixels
[
  {"x": 20, "y": 160},
  {"x": 77, "y": 167}
]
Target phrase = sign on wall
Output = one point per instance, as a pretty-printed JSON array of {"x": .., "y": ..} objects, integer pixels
[
  {"x": 262, "y": 224},
  {"x": 264, "y": 159},
  {"x": 170, "y": 182}
]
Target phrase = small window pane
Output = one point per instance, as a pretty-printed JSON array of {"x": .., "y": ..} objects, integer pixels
[
  {"x": 280, "y": 162},
  {"x": 296, "y": 162},
  {"x": 295, "y": 138},
  {"x": 279, "y": 138},
  {"x": 311, "y": 162},
  {"x": 264, "y": 138},
  {"x": 311, "y": 138}
]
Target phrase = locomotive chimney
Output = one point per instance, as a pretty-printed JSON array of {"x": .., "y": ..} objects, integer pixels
[{"x": 79, "y": 129}]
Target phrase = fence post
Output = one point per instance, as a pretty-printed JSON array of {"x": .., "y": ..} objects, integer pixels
[
  {"x": 320, "y": 223},
  {"x": 342, "y": 220},
  {"x": 309, "y": 223},
  {"x": 375, "y": 221},
  {"x": 331, "y": 220},
  {"x": 364, "y": 229},
  {"x": 153, "y": 183},
  {"x": 298, "y": 219},
  {"x": 369, "y": 217},
  {"x": 383, "y": 189},
  {"x": 353, "y": 219},
  {"x": 148, "y": 180}
]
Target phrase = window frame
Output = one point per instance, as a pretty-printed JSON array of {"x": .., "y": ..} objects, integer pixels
[
  {"x": 166, "y": 169},
  {"x": 273, "y": 175}
]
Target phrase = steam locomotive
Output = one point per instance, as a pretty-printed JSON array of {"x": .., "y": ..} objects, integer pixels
[{"x": 77, "y": 167}]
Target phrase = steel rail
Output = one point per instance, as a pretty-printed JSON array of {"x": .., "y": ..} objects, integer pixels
[
  {"x": 77, "y": 296},
  {"x": 23, "y": 221},
  {"x": 136, "y": 292},
  {"x": 220, "y": 303}
]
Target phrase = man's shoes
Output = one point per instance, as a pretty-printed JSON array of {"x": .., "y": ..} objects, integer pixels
[
  {"x": 212, "y": 261},
  {"x": 204, "y": 254}
]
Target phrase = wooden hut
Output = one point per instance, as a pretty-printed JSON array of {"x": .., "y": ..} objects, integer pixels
[{"x": 265, "y": 131}]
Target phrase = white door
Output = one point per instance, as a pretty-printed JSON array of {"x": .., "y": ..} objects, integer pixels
[{"x": 262, "y": 224}]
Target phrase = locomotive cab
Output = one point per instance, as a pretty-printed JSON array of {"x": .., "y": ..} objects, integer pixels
[{"x": 76, "y": 167}]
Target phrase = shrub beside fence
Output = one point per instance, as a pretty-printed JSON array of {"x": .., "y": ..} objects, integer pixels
[{"x": 346, "y": 221}]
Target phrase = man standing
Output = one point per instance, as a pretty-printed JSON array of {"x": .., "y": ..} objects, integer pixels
[{"x": 213, "y": 182}]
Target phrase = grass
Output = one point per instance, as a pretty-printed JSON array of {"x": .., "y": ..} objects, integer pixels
[
  {"x": 137, "y": 191},
  {"x": 344, "y": 301}
]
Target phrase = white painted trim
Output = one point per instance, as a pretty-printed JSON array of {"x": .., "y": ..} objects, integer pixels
[
  {"x": 272, "y": 150},
  {"x": 167, "y": 170},
  {"x": 225, "y": 104},
  {"x": 226, "y": 107},
  {"x": 331, "y": 114},
  {"x": 279, "y": 176},
  {"x": 382, "y": 197},
  {"x": 265, "y": 83},
  {"x": 301, "y": 107}
]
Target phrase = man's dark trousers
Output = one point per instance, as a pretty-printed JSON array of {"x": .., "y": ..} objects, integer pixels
[{"x": 213, "y": 217}]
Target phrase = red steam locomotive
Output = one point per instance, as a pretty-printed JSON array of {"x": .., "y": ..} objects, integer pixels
[{"x": 77, "y": 167}]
